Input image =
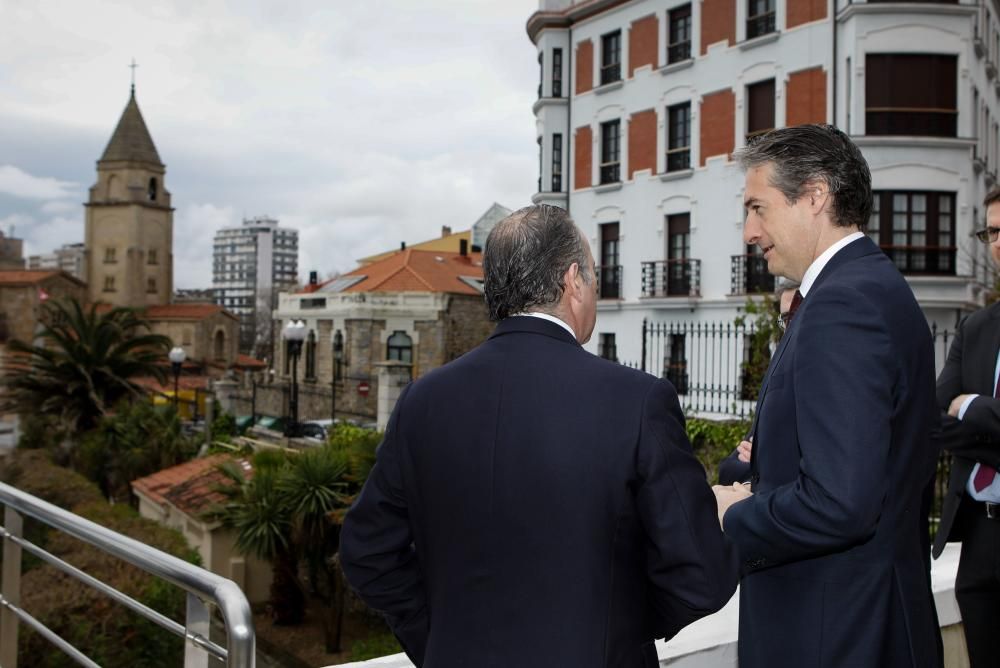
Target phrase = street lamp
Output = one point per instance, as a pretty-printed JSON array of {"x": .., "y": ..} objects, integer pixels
[
  {"x": 294, "y": 333},
  {"x": 176, "y": 357},
  {"x": 338, "y": 355}
]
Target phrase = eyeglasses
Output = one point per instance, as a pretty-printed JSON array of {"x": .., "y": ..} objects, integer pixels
[{"x": 988, "y": 235}]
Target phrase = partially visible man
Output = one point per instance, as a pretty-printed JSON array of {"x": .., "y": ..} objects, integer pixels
[
  {"x": 968, "y": 394},
  {"x": 736, "y": 467},
  {"x": 533, "y": 504},
  {"x": 831, "y": 537}
]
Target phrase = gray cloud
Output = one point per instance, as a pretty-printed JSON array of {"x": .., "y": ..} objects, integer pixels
[{"x": 361, "y": 124}]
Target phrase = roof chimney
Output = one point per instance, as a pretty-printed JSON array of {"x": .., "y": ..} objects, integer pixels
[
  {"x": 463, "y": 247},
  {"x": 313, "y": 278},
  {"x": 445, "y": 230}
]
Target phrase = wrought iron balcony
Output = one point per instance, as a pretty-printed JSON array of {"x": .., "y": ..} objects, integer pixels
[
  {"x": 678, "y": 52},
  {"x": 610, "y": 172},
  {"x": 749, "y": 275},
  {"x": 609, "y": 282},
  {"x": 672, "y": 278},
  {"x": 611, "y": 73},
  {"x": 762, "y": 24}
]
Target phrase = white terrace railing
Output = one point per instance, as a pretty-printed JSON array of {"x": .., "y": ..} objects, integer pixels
[{"x": 202, "y": 587}]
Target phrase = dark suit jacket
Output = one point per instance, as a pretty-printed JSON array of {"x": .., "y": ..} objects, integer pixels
[
  {"x": 831, "y": 539},
  {"x": 969, "y": 370},
  {"x": 535, "y": 505}
]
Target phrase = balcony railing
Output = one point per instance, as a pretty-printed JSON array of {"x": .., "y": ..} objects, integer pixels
[
  {"x": 678, "y": 159},
  {"x": 749, "y": 275},
  {"x": 672, "y": 278},
  {"x": 611, "y": 73},
  {"x": 678, "y": 52},
  {"x": 610, "y": 172},
  {"x": 203, "y": 588},
  {"x": 609, "y": 282},
  {"x": 762, "y": 24}
]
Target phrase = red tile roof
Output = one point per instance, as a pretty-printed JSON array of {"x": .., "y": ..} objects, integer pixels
[
  {"x": 248, "y": 362},
  {"x": 183, "y": 383},
  {"x": 31, "y": 276},
  {"x": 184, "y": 311},
  {"x": 419, "y": 271},
  {"x": 190, "y": 487}
]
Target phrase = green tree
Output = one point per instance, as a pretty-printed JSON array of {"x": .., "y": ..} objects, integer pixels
[
  {"x": 761, "y": 322},
  {"x": 137, "y": 440},
  {"x": 83, "y": 363}
]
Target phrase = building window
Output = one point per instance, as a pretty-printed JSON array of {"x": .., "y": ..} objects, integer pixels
[
  {"x": 312, "y": 303},
  {"x": 916, "y": 230},
  {"x": 556, "y": 72},
  {"x": 760, "y": 108},
  {"x": 109, "y": 283},
  {"x": 679, "y": 34},
  {"x": 338, "y": 355},
  {"x": 151, "y": 257},
  {"x": 676, "y": 363},
  {"x": 760, "y": 18},
  {"x": 541, "y": 161},
  {"x": 679, "y": 137},
  {"x": 607, "y": 348},
  {"x": 557, "y": 163},
  {"x": 399, "y": 347},
  {"x": 610, "y": 269},
  {"x": 541, "y": 72},
  {"x": 911, "y": 94},
  {"x": 109, "y": 256},
  {"x": 678, "y": 251},
  {"x": 611, "y": 57},
  {"x": 220, "y": 346},
  {"x": 151, "y": 191},
  {"x": 311, "y": 356},
  {"x": 610, "y": 152},
  {"x": 151, "y": 285}
]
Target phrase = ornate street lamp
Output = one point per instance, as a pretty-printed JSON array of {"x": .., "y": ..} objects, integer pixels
[
  {"x": 176, "y": 357},
  {"x": 294, "y": 333}
]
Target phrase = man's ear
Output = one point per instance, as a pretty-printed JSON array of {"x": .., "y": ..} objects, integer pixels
[
  {"x": 573, "y": 280},
  {"x": 818, "y": 194}
]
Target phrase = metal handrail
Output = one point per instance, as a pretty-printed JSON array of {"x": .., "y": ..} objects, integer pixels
[{"x": 200, "y": 585}]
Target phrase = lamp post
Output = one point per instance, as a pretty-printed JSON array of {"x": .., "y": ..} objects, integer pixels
[
  {"x": 176, "y": 357},
  {"x": 294, "y": 333},
  {"x": 338, "y": 355}
]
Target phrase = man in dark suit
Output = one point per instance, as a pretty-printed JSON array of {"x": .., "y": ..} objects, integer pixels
[
  {"x": 830, "y": 539},
  {"x": 533, "y": 504},
  {"x": 967, "y": 392}
]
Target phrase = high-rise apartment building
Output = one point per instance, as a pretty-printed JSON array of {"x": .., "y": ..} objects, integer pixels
[
  {"x": 250, "y": 265},
  {"x": 642, "y": 103},
  {"x": 70, "y": 258}
]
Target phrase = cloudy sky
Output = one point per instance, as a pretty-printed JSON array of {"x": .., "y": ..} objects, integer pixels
[{"x": 361, "y": 123}]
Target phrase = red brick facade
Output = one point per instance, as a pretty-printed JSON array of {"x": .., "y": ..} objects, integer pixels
[
  {"x": 642, "y": 142},
  {"x": 806, "y": 98},
  {"x": 582, "y": 152},
  {"x": 718, "y": 22},
  {"x": 643, "y": 43},
  {"x": 718, "y": 124},
  {"x": 584, "y": 66},
  {"x": 804, "y": 11}
]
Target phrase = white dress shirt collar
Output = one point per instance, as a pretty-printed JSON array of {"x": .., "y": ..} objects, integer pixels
[
  {"x": 813, "y": 272},
  {"x": 550, "y": 318}
]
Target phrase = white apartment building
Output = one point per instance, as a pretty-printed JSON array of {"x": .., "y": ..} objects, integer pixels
[
  {"x": 70, "y": 258},
  {"x": 642, "y": 103},
  {"x": 250, "y": 265}
]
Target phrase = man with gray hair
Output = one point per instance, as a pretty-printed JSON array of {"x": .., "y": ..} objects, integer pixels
[
  {"x": 833, "y": 539},
  {"x": 533, "y": 504}
]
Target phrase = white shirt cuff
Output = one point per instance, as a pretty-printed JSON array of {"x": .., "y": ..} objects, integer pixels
[{"x": 965, "y": 406}]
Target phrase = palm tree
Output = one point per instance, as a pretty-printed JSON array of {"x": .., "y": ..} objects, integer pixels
[{"x": 83, "y": 362}]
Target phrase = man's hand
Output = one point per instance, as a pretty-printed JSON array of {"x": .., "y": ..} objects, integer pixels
[
  {"x": 743, "y": 451},
  {"x": 727, "y": 496},
  {"x": 956, "y": 404}
]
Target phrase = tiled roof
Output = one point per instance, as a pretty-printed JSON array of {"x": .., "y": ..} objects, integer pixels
[
  {"x": 248, "y": 362},
  {"x": 448, "y": 244},
  {"x": 184, "y": 311},
  {"x": 131, "y": 140},
  {"x": 190, "y": 487},
  {"x": 420, "y": 271},
  {"x": 183, "y": 383},
  {"x": 26, "y": 276}
]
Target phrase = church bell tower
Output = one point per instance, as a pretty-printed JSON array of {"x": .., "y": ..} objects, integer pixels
[{"x": 129, "y": 220}]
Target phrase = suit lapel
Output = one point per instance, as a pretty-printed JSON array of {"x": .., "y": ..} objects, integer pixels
[{"x": 986, "y": 356}]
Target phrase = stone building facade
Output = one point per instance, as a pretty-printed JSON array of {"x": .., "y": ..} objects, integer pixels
[
  {"x": 22, "y": 294},
  {"x": 421, "y": 308}
]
